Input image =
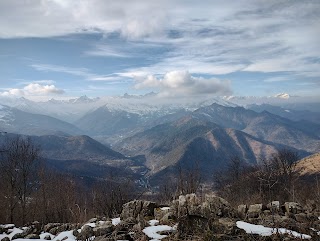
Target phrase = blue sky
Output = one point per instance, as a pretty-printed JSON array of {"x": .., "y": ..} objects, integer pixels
[{"x": 61, "y": 48}]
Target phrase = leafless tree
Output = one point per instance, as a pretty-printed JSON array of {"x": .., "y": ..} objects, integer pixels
[{"x": 19, "y": 165}]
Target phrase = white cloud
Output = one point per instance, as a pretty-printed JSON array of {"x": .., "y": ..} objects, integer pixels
[
  {"x": 34, "y": 89},
  {"x": 212, "y": 37},
  {"x": 181, "y": 83},
  {"x": 32, "y": 18}
]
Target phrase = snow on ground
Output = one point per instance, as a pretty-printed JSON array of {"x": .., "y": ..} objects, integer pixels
[
  {"x": 13, "y": 230},
  {"x": 152, "y": 232},
  {"x": 153, "y": 222},
  {"x": 264, "y": 231},
  {"x": 45, "y": 234},
  {"x": 115, "y": 221},
  {"x": 58, "y": 237},
  {"x": 165, "y": 208}
]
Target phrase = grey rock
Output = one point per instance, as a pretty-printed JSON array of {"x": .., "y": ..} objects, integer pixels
[
  {"x": 17, "y": 235},
  {"x": 159, "y": 213},
  {"x": 138, "y": 207},
  {"x": 168, "y": 218},
  {"x": 47, "y": 237},
  {"x": 255, "y": 210},
  {"x": 5, "y": 239},
  {"x": 274, "y": 206},
  {"x": 213, "y": 207},
  {"x": 293, "y": 207},
  {"x": 86, "y": 232},
  {"x": 50, "y": 226},
  {"x": 242, "y": 210},
  {"x": 103, "y": 230},
  {"x": 32, "y": 236}
]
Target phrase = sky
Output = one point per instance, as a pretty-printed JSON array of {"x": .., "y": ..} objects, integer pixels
[{"x": 66, "y": 48}]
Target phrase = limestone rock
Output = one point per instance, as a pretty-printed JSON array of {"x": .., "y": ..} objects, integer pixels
[
  {"x": 242, "y": 210},
  {"x": 50, "y": 226},
  {"x": 32, "y": 236},
  {"x": 138, "y": 207},
  {"x": 274, "y": 206},
  {"x": 103, "y": 230},
  {"x": 5, "y": 239},
  {"x": 212, "y": 207},
  {"x": 255, "y": 210},
  {"x": 159, "y": 213},
  {"x": 47, "y": 237},
  {"x": 293, "y": 207}
]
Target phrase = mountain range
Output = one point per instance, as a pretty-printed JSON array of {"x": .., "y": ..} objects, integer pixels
[{"x": 89, "y": 137}]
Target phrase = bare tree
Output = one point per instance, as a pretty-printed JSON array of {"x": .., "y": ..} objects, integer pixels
[
  {"x": 19, "y": 164},
  {"x": 189, "y": 179}
]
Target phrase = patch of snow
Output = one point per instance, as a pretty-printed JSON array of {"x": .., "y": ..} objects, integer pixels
[
  {"x": 10, "y": 225},
  {"x": 153, "y": 222},
  {"x": 12, "y": 231},
  {"x": 115, "y": 221},
  {"x": 42, "y": 236},
  {"x": 165, "y": 208},
  {"x": 92, "y": 225},
  {"x": 264, "y": 231},
  {"x": 62, "y": 235},
  {"x": 287, "y": 110},
  {"x": 152, "y": 232}
]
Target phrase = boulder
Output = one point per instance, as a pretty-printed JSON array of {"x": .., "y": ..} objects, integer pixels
[
  {"x": 17, "y": 236},
  {"x": 167, "y": 219},
  {"x": 274, "y": 206},
  {"x": 160, "y": 212},
  {"x": 32, "y": 236},
  {"x": 255, "y": 210},
  {"x": 138, "y": 207},
  {"x": 87, "y": 231},
  {"x": 212, "y": 207},
  {"x": 293, "y": 207},
  {"x": 103, "y": 230},
  {"x": 50, "y": 226},
  {"x": 242, "y": 210},
  {"x": 5, "y": 239},
  {"x": 47, "y": 237}
]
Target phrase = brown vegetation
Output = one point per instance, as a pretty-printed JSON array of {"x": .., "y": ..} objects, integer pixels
[{"x": 31, "y": 192}]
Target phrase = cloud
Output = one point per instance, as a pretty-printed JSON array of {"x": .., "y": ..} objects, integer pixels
[
  {"x": 34, "y": 89},
  {"x": 182, "y": 83},
  {"x": 32, "y": 18},
  {"x": 205, "y": 37}
]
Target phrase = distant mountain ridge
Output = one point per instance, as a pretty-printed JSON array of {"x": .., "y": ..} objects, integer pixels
[
  {"x": 190, "y": 142},
  {"x": 21, "y": 122},
  {"x": 265, "y": 126}
]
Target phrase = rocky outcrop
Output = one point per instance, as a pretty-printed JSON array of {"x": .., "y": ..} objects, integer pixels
[
  {"x": 207, "y": 218},
  {"x": 137, "y": 208},
  {"x": 212, "y": 207}
]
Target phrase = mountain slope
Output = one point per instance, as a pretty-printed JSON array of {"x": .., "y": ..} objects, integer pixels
[
  {"x": 266, "y": 126},
  {"x": 102, "y": 121},
  {"x": 75, "y": 148},
  {"x": 20, "y": 122},
  {"x": 295, "y": 115},
  {"x": 190, "y": 142},
  {"x": 310, "y": 165}
]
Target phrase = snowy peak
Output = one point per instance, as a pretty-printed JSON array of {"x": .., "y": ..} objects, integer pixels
[
  {"x": 83, "y": 99},
  {"x": 283, "y": 96}
]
